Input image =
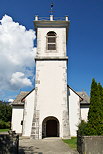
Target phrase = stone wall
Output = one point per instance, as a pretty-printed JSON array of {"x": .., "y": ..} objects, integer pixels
[
  {"x": 9, "y": 144},
  {"x": 90, "y": 144}
]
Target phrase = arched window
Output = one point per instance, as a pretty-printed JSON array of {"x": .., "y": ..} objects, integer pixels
[{"x": 51, "y": 40}]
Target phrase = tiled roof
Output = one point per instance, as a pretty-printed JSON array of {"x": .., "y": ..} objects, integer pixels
[
  {"x": 86, "y": 98},
  {"x": 19, "y": 97}
]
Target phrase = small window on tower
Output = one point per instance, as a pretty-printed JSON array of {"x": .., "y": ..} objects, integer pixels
[{"x": 51, "y": 40}]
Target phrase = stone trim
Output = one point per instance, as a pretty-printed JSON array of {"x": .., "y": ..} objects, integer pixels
[{"x": 51, "y": 58}]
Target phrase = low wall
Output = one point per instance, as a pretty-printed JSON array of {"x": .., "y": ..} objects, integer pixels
[
  {"x": 9, "y": 144},
  {"x": 90, "y": 144}
]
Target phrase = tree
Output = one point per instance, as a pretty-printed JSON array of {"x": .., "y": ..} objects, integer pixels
[
  {"x": 94, "y": 126},
  {"x": 95, "y": 115},
  {"x": 100, "y": 110},
  {"x": 93, "y": 101},
  {"x": 5, "y": 114}
]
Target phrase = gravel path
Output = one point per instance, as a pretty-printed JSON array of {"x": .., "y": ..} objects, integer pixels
[{"x": 44, "y": 146}]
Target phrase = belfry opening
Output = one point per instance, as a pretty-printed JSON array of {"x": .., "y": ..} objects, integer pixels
[{"x": 50, "y": 127}]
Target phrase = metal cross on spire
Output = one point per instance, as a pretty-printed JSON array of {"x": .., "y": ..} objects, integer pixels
[{"x": 51, "y": 11}]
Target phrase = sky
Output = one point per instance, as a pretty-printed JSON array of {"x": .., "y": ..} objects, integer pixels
[{"x": 18, "y": 45}]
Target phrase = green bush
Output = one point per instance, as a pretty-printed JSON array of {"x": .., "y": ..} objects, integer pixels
[
  {"x": 5, "y": 115},
  {"x": 8, "y": 124},
  {"x": 86, "y": 129},
  {"x": 82, "y": 128},
  {"x": 5, "y": 111},
  {"x": 4, "y": 124}
]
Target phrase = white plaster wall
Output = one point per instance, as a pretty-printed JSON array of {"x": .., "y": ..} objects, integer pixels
[
  {"x": 28, "y": 114},
  {"x": 84, "y": 113},
  {"x": 17, "y": 117},
  {"x": 74, "y": 112},
  {"x": 51, "y": 89},
  {"x": 60, "y": 42}
]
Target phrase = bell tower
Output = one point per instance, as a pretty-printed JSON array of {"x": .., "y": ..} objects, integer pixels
[{"x": 51, "y": 117}]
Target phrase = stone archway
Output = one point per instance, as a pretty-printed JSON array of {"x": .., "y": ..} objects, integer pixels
[{"x": 50, "y": 127}]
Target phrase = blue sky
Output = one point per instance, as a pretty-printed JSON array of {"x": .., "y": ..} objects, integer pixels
[{"x": 85, "y": 43}]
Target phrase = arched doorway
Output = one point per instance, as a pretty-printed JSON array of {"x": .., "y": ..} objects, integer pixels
[{"x": 50, "y": 127}]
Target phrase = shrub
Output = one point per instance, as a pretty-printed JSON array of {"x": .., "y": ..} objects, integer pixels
[
  {"x": 82, "y": 128},
  {"x": 5, "y": 111},
  {"x": 4, "y": 124}
]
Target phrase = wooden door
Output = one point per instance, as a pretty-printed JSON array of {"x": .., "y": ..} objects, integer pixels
[{"x": 51, "y": 128}]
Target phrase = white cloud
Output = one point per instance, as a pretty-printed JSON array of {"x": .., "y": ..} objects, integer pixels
[
  {"x": 16, "y": 54},
  {"x": 10, "y": 100},
  {"x": 19, "y": 79}
]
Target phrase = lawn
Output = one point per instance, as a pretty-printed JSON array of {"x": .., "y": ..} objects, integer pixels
[
  {"x": 71, "y": 142},
  {"x": 4, "y": 130}
]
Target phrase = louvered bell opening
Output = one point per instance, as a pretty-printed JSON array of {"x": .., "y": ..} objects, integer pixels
[
  {"x": 51, "y": 40},
  {"x": 51, "y": 46}
]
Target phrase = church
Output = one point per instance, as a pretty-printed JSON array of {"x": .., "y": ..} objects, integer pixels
[{"x": 52, "y": 108}]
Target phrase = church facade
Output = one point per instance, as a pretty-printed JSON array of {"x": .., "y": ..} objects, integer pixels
[{"x": 52, "y": 109}]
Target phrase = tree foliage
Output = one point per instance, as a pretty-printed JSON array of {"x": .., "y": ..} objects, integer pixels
[
  {"x": 94, "y": 126},
  {"x": 5, "y": 114}
]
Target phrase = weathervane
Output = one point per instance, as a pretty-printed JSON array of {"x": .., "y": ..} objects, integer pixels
[{"x": 51, "y": 11}]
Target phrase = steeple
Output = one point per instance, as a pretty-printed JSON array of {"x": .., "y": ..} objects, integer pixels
[{"x": 51, "y": 107}]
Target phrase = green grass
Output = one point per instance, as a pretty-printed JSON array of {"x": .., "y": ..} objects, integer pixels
[
  {"x": 4, "y": 130},
  {"x": 71, "y": 142}
]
